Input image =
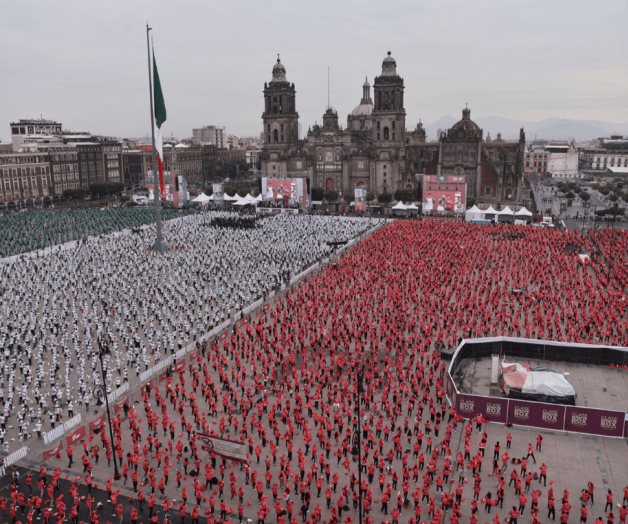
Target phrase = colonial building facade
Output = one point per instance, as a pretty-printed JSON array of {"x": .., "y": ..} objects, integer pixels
[{"x": 376, "y": 152}]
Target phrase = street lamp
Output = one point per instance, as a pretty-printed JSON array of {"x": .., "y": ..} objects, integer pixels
[
  {"x": 358, "y": 441},
  {"x": 103, "y": 349}
]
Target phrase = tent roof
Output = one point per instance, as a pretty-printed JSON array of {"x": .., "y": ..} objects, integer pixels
[
  {"x": 399, "y": 205},
  {"x": 411, "y": 205},
  {"x": 523, "y": 212},
  {"x": 231, "y": 198},
  {"x": 202, "y": 198},
  {"x": 490, "y": 210},
  {"x": 506, "y": 211},
  {"x": 474, "y": 209}
]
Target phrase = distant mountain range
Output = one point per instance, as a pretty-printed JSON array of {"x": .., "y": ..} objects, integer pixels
[{"x": 549, "y": 129}]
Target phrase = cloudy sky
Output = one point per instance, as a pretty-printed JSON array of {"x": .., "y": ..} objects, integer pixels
[{"x": 84, "y": 63}]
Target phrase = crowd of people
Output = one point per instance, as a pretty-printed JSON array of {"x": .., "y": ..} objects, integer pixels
[
  {"x": 57, "y": 308},
  {"x": 284, "y": 383},
  {"x": 25, "y": 232}
]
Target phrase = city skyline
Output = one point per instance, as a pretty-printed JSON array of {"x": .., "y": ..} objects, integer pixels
[{"x": 86, "y": 65}]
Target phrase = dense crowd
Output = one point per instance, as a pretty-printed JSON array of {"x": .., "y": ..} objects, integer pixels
[
  {"x": 25, "y": 232},
  {"x": 284, "y": 383},
  {"x": 59, "y": 307}
]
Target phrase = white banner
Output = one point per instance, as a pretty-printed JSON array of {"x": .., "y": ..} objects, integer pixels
[{"x": 229, "y": 449}]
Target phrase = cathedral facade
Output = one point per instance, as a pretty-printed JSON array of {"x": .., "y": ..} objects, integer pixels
[{"x": 376, "y": 152}]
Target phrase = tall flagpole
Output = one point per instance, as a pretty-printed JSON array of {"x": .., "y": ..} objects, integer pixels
[{"x": 159, "y": 243}]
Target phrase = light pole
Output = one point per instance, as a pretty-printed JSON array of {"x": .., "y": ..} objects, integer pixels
[
  {"x": 360, "y": 380},
  {"x": 104, "y": 349}
]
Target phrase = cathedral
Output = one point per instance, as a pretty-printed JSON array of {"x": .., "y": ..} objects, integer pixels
[{"x": 375, "y": 152}]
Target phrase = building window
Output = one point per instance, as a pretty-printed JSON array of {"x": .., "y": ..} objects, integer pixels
[
  {"x": 393, "y": 124},
  {"x": 385, "y": 133},
  {"x": 487, "y": 191},
  {"x": 276, "y": 136}
]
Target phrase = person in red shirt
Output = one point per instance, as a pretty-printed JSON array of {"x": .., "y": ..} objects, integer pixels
[
  {"x": 609, "y": 501},
  {"x": 584, "y": 513},
  {"x": 513, "y": 515}
]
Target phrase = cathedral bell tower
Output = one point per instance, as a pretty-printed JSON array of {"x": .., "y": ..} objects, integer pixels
[
  {"x": 389, "y": 115},
  {"x": 280, "y": 117}
]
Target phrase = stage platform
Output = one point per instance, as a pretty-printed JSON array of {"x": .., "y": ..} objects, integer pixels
[{"x": 596, "y": 386}]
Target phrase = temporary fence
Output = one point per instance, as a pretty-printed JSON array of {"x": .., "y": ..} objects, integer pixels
[
  {"x": 545, "y": 415},
  {"x": 75, "y": 434}
]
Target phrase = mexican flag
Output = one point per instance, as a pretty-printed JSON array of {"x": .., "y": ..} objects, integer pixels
[{"x": 160, "y": 118}]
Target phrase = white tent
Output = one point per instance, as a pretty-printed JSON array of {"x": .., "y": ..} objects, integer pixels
[
  {"x": 490, "y": 211},
  {"x": 202, "y": 198},
  {"x": 228, "y": 198},
  {"x": 412, "y": 207},
  {"x": 506, "y": 211},
  {"x": 523, "y": 212},
  {"x": 400, "y": 206},
  {"x": 473, "y": 213},
  {"x": 247, "y": 200},
  {"x": 259, "y": 197}
]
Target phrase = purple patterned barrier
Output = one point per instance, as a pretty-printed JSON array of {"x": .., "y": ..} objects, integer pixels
[
  {"x": 493, "y": 409},
  {"x": 594, "y": 421},
  {"x": 577, "y": 419},
  {"x": 537, "y": 414}
]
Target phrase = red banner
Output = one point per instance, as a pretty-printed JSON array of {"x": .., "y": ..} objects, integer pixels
[
  {"x": 54, "y": 451},
  {"x": 75, "y": 436},
  {"x": 97, "y": 422}
]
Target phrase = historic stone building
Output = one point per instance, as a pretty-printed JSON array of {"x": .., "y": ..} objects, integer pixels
[{"x": 376, "y": 152}]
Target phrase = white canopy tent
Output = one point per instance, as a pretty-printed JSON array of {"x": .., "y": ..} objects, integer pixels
[
  {"x": 228, "y": 198},
  {"x": 523, "y": 212},
  {"x": 202, "y": 199},
  {"x": 247, "y": 200},
  {"x": 473, "y": 213},
  {"x": 506, "y": 211},
  {"x": 412, "y": 207},
  {"x": 399, "y": 208}
]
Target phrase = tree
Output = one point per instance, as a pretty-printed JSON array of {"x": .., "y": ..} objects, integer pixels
[
  {"x": 370, "y": 197},
  {"x": 384, "y": 198},
  {"x": 78, "y": 194},
  {"x": 318, "y": 193},
  {"x": 331, "y": 196},
  {"x": 585, "y": 196},
  {"x": 106, "y": 188},
  {"x": 405, "y": 195}
]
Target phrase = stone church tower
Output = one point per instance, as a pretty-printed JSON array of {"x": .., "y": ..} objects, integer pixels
[
  {"x": 389, "y": 129},
  {"x": 281, "y": 121}
]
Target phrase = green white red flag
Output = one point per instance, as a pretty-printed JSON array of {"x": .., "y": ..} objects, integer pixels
[{"x": 160, "y": 118}]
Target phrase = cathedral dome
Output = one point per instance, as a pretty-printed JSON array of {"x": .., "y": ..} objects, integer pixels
[
  {"x": 364, "y": 109},
  {"x": 389, "y": 66},
  {"x": 279, "y": 72},
  {"x": 466, "y": 124}
]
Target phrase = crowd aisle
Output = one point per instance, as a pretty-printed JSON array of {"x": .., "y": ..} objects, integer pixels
[{"x": 284, "y": 383}]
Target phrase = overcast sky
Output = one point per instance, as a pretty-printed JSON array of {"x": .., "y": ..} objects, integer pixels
[{"x": 84, "y": 63}]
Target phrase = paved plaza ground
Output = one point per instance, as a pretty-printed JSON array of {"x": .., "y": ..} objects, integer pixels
[{"x": 284, "y": 383}]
